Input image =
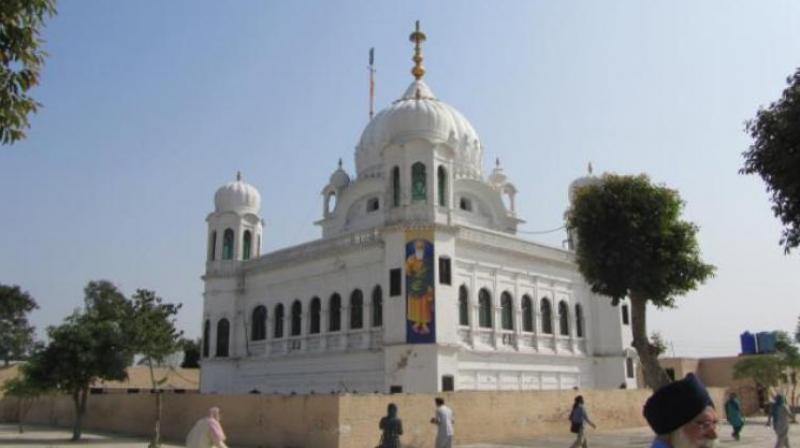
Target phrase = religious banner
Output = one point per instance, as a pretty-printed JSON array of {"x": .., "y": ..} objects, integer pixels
[{"x": 420, "y": 297}]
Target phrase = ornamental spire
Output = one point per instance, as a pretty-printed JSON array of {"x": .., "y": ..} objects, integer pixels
[
  {"x": 238, "y": 176},
  {"x": 417, "y": 37}
]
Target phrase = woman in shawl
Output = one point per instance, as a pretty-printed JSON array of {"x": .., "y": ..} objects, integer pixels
[
  {"x": 733, "y": 413},
  {"x": 392, "y": 428},
  {"x": 207, "y": 432},
  {"x": 578, "y": 419},
  {"x": 781, "y": 416}
]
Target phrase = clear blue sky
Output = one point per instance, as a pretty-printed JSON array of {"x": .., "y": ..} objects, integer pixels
[{"x": 150, "y": 106}]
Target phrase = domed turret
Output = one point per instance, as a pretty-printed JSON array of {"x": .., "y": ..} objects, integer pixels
[
  {"x": 339, "y": 179},
  {"x": 588, "y": 179},
  {"x": 234, "y": 227},
  {"x": 237, "y": 196}
]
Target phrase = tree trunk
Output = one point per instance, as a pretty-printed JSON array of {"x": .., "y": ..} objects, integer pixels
[
  {"x": 20, "y": 414},
  {"x": 79, "y": 397},
  {"x": 76, "y": 425},
  {"x": 654, "y": 375},
  {"x": 155, "y": 442}
]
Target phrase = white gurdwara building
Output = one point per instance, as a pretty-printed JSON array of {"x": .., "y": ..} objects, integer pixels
[{"x": 419, "y": 282}]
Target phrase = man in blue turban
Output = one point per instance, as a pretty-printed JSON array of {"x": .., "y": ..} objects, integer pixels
[{"x": 682, "y": 415}]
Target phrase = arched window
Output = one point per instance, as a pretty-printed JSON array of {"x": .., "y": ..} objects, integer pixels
[
  {"x": 563, "y": 318},
  {"x": 377, "y": 306},
  {"x": 396, "y": 187},
  {"x": 227, "y": 245},
  {"x": 508, "y": 311},
  {"x": 335, "y": 313},
  {"x": 463, "y": 306},
  {"x": 315, "y": 315},
  {"x": 223, "y": 336},
  {"x": 247, "y": 242},
  {"x": 330, "y": 202},
  {"x": 258, "y": 331},
  {"x": 206, "y": 338},
  {"x": 297, "y": 318},
  {"x": 278, "y": 327},
  {"x": 357, "y": 309},
  {"x": 579, "y": 320},
  {"x": 546, "y": 310},
  {"x": 419, "y": 191},
  {"x": 527, "y": 313},
  {"x": 441, "y": 177},
  {"x": 212, "y": 246},
  {"x": 484, "y": 309}
]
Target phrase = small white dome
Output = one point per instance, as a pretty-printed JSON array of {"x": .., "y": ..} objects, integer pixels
[
  {"x": 339, "y": 178},
  {"x": 498, "y": 178},
  {"x": 419, "y": 114},
  {"x": 582, "y": 181},
  {"x": 237, "y": 196}
]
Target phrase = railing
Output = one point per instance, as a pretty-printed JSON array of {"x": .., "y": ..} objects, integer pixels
[
  {"x": 527, "y": 341},
  {"x": 355, "y": 341},
  {"x": 546, "y": 342},
  {"x": 314, "y": 343},
  {"x": 465, "y": 336},
  {"x": 563, "y": 344},
  {"x": 485, "y": 336},
  {"x": 334, "y": 342},
  {"x": 507, "y": 339},
  {"x": 277, "y": 347}
]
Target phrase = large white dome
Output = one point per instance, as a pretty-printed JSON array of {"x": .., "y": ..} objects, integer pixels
[
  {"x": 237, "y": 196},
  {"x": 418, "y": 114}
]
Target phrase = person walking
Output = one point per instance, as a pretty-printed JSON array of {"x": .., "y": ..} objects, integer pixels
[
  {"x": 444, "y": 421},
  {"x": 733, "y": 413},
  {"x": 780, "y": 415},
  {"x": 392, "y": 428},
  {"x": 578, "y": 418},
  {"x": 207, "y": 432}
]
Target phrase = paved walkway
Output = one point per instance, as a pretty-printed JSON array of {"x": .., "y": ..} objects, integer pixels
[{"x": 754, "y": 435}]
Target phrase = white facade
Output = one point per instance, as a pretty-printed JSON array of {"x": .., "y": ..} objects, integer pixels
[{"x": 418, "y": 169}]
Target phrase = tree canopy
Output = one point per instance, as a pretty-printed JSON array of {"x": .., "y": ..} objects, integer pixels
[
  {"x": 152, "y": 333},
  {"x": 631, "y": 242},
  {"x": 21, "y": 61},
  {"x": 775, "y": 156},
  {"x": 88, "y": 346},
  {"x": 16, "y": 333}
]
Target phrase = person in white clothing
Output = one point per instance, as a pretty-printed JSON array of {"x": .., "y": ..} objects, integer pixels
[
  {"x": 207, "y": 432},
  {"x": 444, "y": 425}
]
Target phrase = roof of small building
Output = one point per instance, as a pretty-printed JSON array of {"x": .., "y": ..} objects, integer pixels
[{"x": 138, "y": 378}]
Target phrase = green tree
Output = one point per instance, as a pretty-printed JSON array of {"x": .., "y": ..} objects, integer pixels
[
  {"x": 16, "y": 333},
  {"x": 789, "y": 356},
  {"x": 658, "y": 344},
  {"x": 765, "y": 370},
  {"x": 153, "y": 334},
  {"x": 773, "y": 369},
  {"x": 88, "y": 346},
  {"x": 775, "y": 156},
  {"x": 191, "y": 353},
  {"x": 21, "y": 61},
  {"x": 631, "y": 242},
  {"x": 24, "y": 392}
]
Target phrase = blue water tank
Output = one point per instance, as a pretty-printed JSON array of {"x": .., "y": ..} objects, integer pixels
[
  {"x": 766, "y": 341},
  {"x": 748, "y": 341}
]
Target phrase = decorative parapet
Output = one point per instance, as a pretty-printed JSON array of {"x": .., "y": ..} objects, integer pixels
[{"x": 317, "y": 249}]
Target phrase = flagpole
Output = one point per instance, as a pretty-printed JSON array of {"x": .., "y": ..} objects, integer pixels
[{"x": 371, "y": 82}]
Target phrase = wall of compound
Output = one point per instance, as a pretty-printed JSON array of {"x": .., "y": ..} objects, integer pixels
[{"x": 348, "y": 421}]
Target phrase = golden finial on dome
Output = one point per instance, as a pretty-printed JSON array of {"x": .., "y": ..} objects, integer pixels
[{"x": 417, "y": 37}]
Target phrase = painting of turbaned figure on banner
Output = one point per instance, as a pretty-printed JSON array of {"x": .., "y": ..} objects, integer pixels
[{"x": 420, "y": 292}]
